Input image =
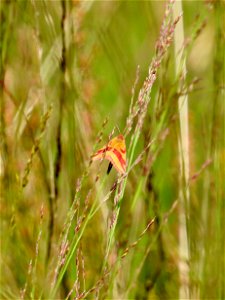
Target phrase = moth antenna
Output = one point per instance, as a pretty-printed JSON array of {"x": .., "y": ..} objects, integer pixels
[{"x": 118, "y": 128}]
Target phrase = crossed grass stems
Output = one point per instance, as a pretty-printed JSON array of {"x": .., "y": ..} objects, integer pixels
[
  {"x": 135, "y": 120},
  {"x": 139, "y": 110}
]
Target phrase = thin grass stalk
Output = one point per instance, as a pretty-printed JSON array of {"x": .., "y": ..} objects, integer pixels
[
  {"x": 144, "y": 97},
  {"x": 34, "y": 271},
  {"x": 75, "y": 242},
  {"x": 58, "y": 159},
  {"x": 183, "y": 145},
  {"x": 134, "y": 280},
  {"x": 212, "y": 184},
  {"x": 81, "y": 222}
]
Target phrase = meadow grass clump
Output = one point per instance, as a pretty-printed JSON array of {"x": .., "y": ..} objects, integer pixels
[{"x": 74, "y": 75}]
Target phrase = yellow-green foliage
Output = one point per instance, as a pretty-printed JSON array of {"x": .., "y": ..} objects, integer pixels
[{"x": 74, "y": 74}]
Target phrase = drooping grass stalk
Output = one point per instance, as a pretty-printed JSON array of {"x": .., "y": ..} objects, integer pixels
[{"x": 180, "y": 69}]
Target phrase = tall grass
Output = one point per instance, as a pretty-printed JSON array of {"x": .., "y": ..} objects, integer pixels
[
  {"x": 183, "y": 148},
  {"x": 73, "y": 76}
]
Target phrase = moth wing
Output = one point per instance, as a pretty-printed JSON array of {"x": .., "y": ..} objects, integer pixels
[
  {"x": 115, "y": 152},
  {"x": 117, "y": 161},
  {"x": 99, "y": 154}
]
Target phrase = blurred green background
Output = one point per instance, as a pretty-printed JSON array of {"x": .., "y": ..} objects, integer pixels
[{"x": 66, "y": 66}]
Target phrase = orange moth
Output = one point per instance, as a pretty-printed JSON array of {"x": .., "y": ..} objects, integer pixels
[{"x": 115, "y": 152}]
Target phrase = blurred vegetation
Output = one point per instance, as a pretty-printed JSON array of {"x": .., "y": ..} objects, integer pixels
[{"x": 69, "y": 70}]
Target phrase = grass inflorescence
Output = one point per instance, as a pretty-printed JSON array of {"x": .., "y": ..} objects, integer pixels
[{"x": 70, "y": 82}]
